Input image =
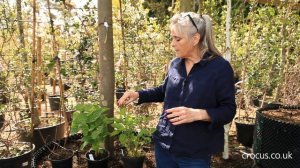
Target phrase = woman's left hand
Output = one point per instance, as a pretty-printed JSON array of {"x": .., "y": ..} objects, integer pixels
[{"x": 181, "y": 115}]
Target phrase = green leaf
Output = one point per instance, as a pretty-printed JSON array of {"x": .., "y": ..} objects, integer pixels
[{"x": 51, "y": 65}]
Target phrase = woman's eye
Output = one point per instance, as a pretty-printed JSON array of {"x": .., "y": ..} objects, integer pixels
[{"x": 177, "y": 39}]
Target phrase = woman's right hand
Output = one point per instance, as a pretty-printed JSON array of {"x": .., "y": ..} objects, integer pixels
[{"x": 128, "y": 97}]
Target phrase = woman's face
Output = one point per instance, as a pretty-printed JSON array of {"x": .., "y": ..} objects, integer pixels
[{"x": 182, "y": 45}]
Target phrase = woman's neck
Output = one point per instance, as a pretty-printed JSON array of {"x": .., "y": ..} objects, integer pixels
[{"x": 195, "y": 57}]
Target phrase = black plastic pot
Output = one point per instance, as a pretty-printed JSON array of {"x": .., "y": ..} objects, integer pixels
[
  {"x": 278, "y": 138},
  {"x": 97, "y": 162},
  {"x": 133, "y": 162},
  {"x": 244, "y": 131},
  {"x": 63, "y": 163},
  {"x": 119, "y": 93},
  {"x": 44, "y": 150},
  {"x": 54, "y": 102},
  {"x": 21, "y": 161},
  {"x": 48, "y": 134}
]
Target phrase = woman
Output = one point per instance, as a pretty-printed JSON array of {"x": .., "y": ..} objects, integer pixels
[{"x": 198, "y": 96}]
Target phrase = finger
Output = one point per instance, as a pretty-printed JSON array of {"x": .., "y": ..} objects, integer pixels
[
  {"x": 174, "y": 110},
  {"x": 175, "y": 119},
  {"x": 123, "y": 99},
  {"x": 178, "y": 121},
  {"x": 171, "y": 110},
  {"x": 128, "y": 100},
  {"x": 172, "y": 115},
  {"x": 175, "y": 114}
]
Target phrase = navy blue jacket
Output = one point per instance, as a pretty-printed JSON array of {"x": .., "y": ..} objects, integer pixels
[{"x": 210, "y": 86}]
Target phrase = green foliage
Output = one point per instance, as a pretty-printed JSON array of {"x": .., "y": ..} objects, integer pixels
[
  {"x": 147, "y": 46},
  {"x": 262, "y": 38},
  {"x": 133, "y": 131},
  {"x": 92, "y": 122}
]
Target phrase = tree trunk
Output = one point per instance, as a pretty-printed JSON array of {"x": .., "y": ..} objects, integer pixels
[
  {"x": 34, "y": 113},
  {"x": 227, "y": 57},
  {"x": 283, "y": 59},
  {"x": 186, "y": 5},
  {"x": 125, "y": 56},
  {"x": 106, "y": 61},
  {"x": 39, "y": 73},
  {"x": 54, "y": 46},
  {"x": 21, "y": 29},
  {"x": 201, "y": 7}
]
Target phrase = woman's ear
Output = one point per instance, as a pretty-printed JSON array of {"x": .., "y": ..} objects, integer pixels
[{"x": 196, "y": 39}]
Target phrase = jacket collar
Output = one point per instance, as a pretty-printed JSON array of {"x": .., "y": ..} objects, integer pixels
[{"x": 206, "y": 58}]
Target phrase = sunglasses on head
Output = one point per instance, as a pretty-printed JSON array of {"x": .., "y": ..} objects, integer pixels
[{"x": 192, "y": 20}]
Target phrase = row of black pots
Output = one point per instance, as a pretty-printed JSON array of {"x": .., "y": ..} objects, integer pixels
[
  {"x": 93, "y": 161},
  {"x": 245, "y": 126},
  {"x": 46, "y": 150},
  {"x": 258, "y": 102}
]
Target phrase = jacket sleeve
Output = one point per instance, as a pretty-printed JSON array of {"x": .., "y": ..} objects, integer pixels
[
  {"x": 225, "y": 98},
  {"x": 156, "y": 94}
]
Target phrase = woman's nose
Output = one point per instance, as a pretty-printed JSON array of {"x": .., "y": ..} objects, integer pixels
[{"x": 172, "y": 44}]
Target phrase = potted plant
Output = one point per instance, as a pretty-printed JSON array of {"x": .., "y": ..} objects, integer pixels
[
  {"x": 12, "y": 152},
  {"x": 60, "y": 156},
  {"x": 134, "y": 134},
  {"x": 92, "y": 122},
  {"x": 15, "y": 154},
  {"x": 277, "y": 128},
  {"x": 245, "y": 120}
]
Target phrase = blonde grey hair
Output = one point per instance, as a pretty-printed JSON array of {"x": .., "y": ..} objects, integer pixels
[{"x": 182, "y": 24}]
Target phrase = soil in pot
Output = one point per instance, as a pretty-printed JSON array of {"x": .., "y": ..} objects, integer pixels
[
  {"x": 18, "y": 155},
  {"x": 61, "y": 158},
  {"x": 285, "y": 115}
]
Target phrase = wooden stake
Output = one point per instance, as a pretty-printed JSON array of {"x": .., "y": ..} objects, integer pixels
[{"x": 39, "y": 73}]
